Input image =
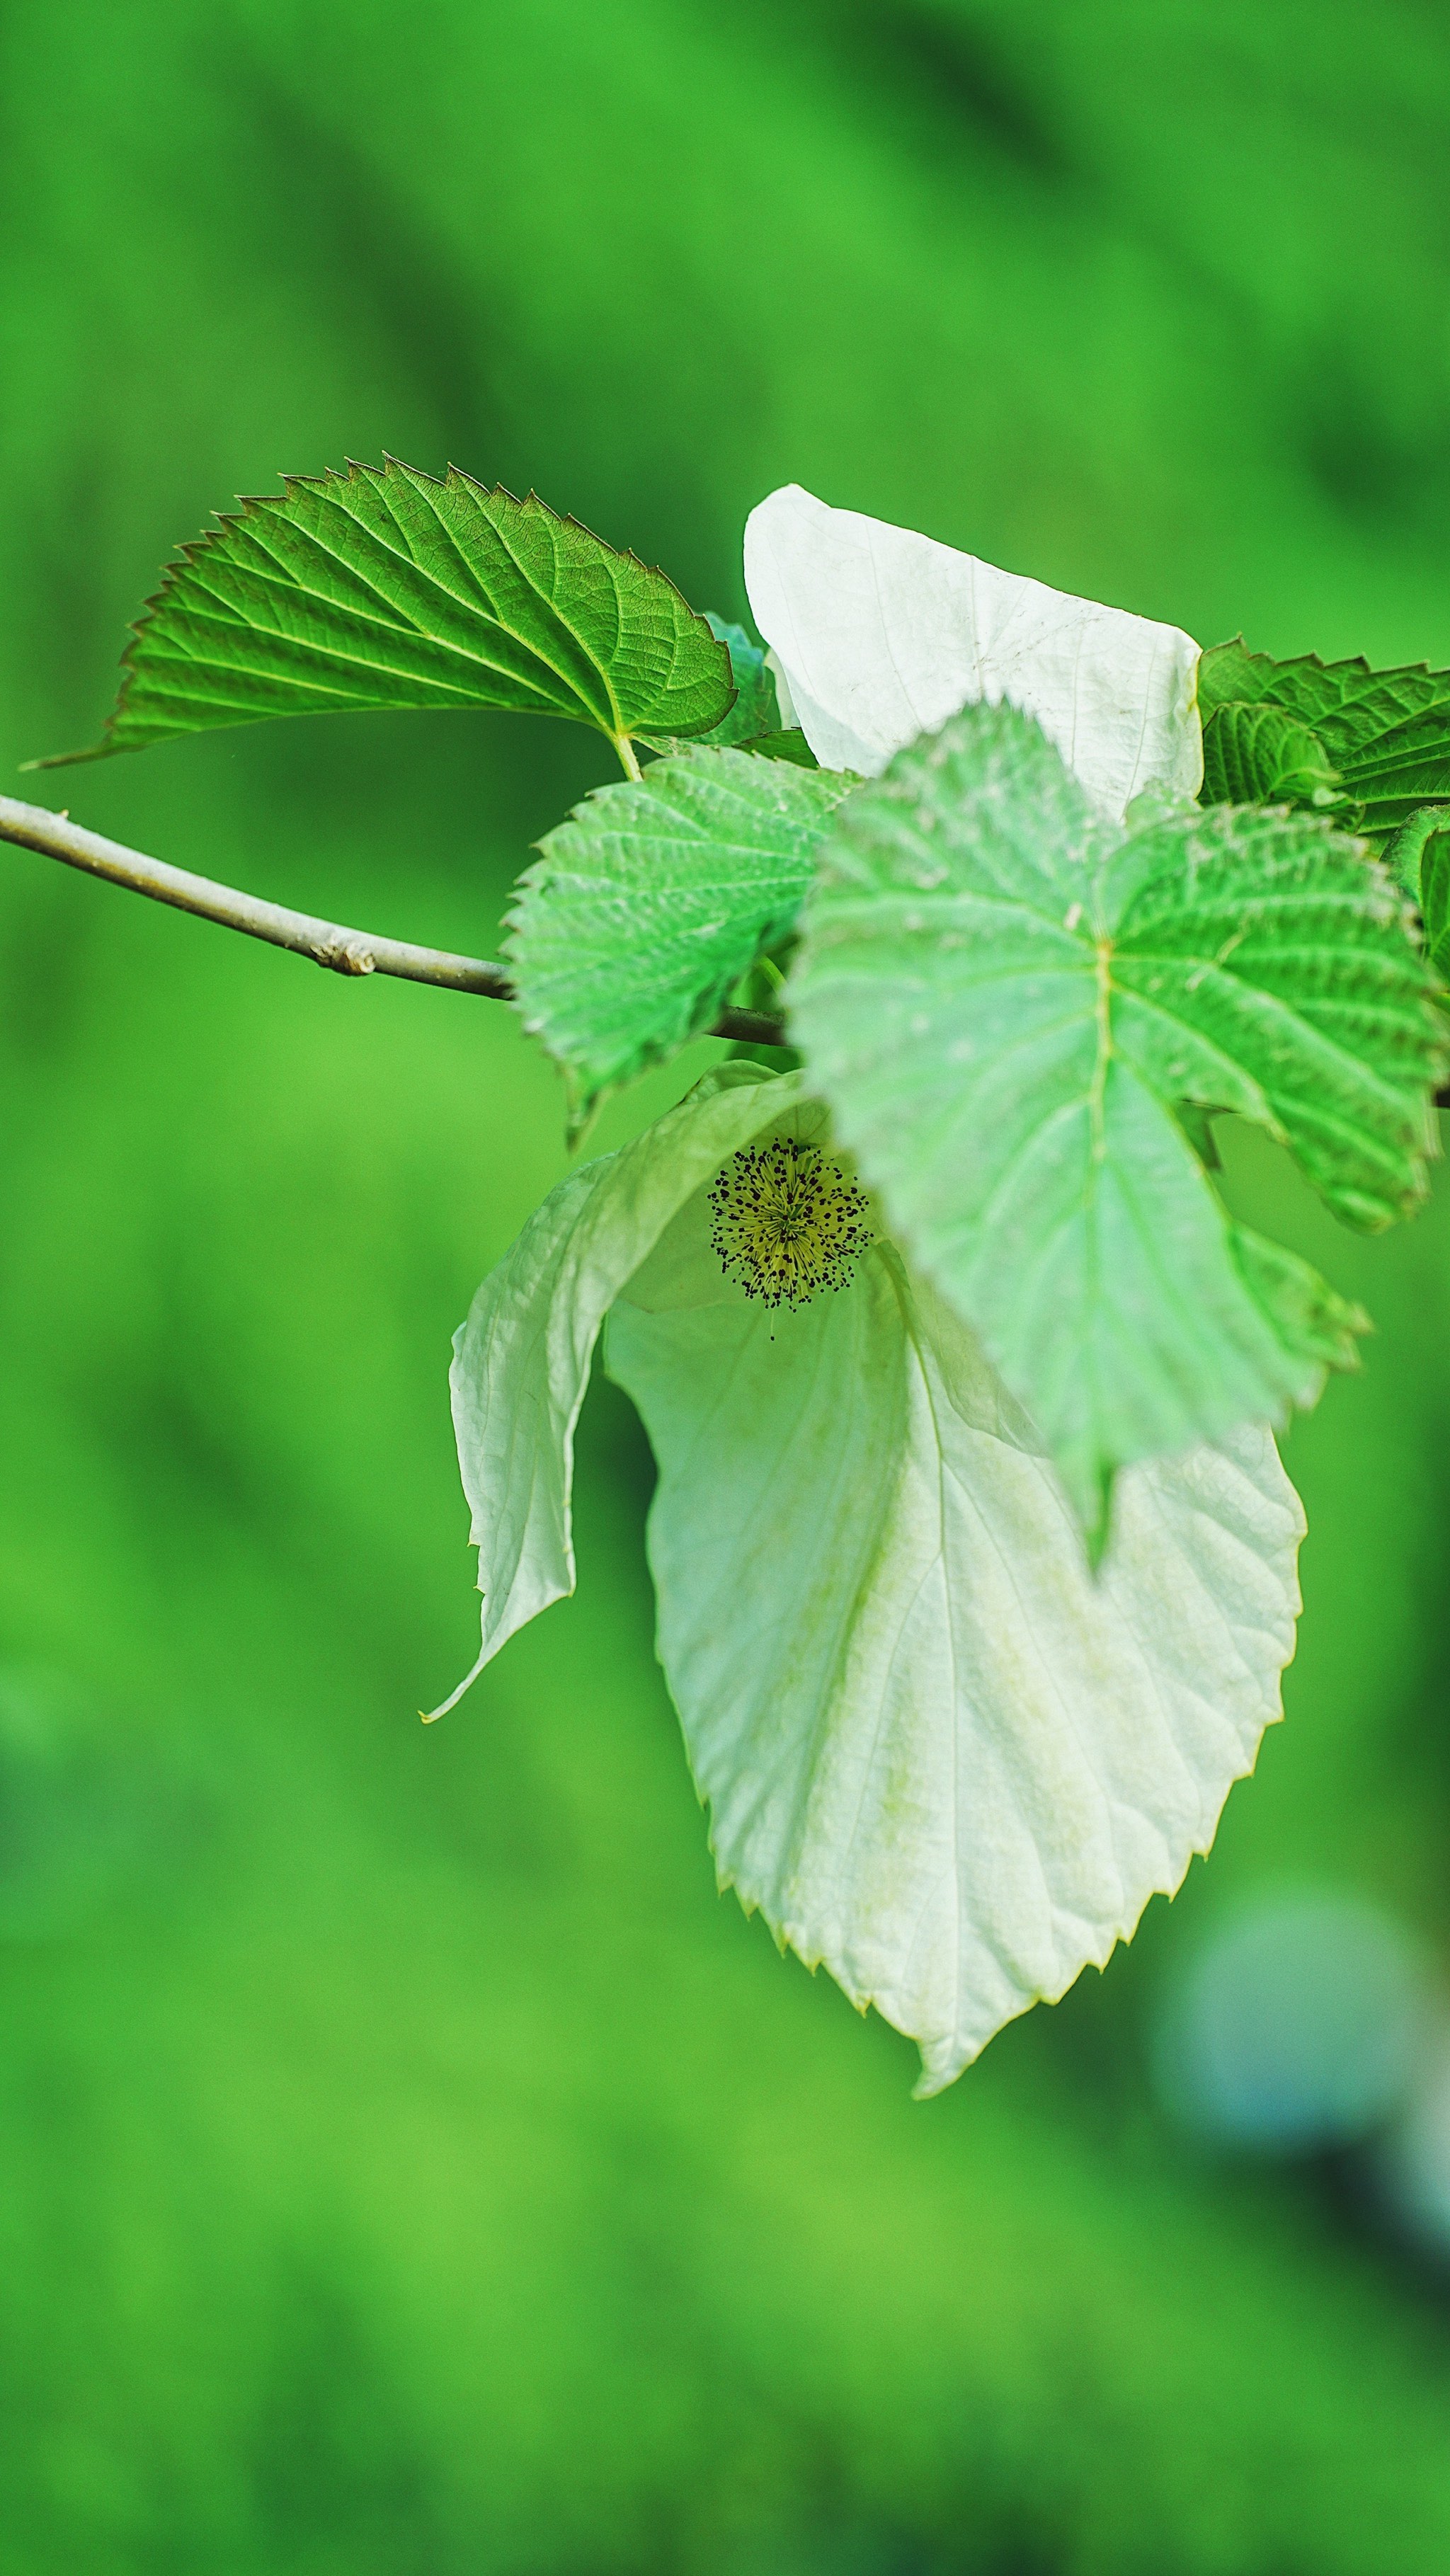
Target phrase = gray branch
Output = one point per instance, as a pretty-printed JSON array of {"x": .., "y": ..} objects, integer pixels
[{"x": 327, "y": 943}]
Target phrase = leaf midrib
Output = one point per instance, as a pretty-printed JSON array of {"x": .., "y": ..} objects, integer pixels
[
  {"x": 401, "y": 623},
  {"x": 166, "y": 647},
  {"x": 336, "y": 501},
  {"x": 275, "y": 572}
]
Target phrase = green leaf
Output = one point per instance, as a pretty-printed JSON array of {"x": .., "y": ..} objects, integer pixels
[
  {"x": 1406, "y": 853},
  {"x": 387, "y": 588},
  {"x": 1385, "y": 734},
  {"x": 1310, "y": 1317},
  {"x": 1419, "y": 859},
  {"x": 1197, "y": 1126},
  {"x": 1004, "y": 998},
  {"x": 650, "y": 902},
  {"x": 1435, "y": 898},
  {"x": 755, "y": 710},
  {"x": 1259, "y": 755},
  {"x": 790, "y": 745},
  {"x": 753, "y": 723}
]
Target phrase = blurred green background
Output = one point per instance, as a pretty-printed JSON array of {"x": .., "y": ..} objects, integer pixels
[{"x": 407, "y": 2163}]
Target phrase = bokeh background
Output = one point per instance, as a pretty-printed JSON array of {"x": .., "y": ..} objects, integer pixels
[{"x": 407, "y": 2162}]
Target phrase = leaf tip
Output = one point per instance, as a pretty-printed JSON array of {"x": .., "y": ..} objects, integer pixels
[
  {"x": 67, "y": 759},
  {"x": 1098, "y": 1525}
]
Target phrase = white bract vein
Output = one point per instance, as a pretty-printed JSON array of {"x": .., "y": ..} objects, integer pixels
[
  {"x": 882, "y": 634},
  {"x": 939, "y": 1756}
]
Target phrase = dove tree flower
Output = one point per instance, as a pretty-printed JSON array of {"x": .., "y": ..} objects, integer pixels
[
  {"x": 940, "y": 1756},
  {"x": 974, "y": 1556}
]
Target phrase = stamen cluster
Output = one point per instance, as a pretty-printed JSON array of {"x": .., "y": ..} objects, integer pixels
[{"x": 788, "y": 1223}]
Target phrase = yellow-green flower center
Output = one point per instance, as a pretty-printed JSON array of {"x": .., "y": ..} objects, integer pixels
[{"x": 788, "y": 1223}]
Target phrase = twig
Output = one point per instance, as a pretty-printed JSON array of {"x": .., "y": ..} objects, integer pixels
[{"x": 327, "y": 943}]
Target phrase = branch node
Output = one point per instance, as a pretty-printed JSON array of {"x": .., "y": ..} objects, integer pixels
[{"x": 346, "y": 955}]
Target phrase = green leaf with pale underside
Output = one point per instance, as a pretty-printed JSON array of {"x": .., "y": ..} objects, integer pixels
[
  {"x": 1385, "y": 735},
  {"x": 648, "y": 904},
  {"x": 1005, "y": 997},
  {"x": 387, "y": 588}
]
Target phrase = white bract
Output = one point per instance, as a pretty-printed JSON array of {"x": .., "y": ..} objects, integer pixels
[
  {"x": 882, "y": 634},
  {"x": 939, "y": 1756}
]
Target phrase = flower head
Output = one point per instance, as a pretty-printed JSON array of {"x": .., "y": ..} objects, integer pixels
[{"x": 788, "y": 1224}]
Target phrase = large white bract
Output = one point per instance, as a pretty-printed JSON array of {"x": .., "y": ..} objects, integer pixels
[
  {"x": 882, "y": 634},
  {"x": 939, "y": 1756}
]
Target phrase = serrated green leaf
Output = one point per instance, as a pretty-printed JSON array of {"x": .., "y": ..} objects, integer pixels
[
  {"x": 1197, "y": 1126},
  {"x": 650, "y": 902},
  {"x": 755, "y": 710},
  {"x": 1004, "y": 997},
  {"x": 1435, "y": 898},
  {"x": 1386, "y": 733},
  {"x": 1419, "y": 859},
  {"x": 1259, "y": 755},
  {"x": 387, "y": 588},
  {"x": 1308, "y": 1315},
  {"x": 753, "y": 723},
  {"x": 788, "y": 745},
  {"x": 1405, "y": 855}
]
